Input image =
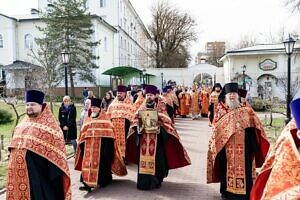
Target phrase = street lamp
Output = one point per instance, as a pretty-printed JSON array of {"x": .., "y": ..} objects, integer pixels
[
  {"x": 66, "y": 59},
  {"x": 162, "y": 80},
  {"x": 289, "y": 47},
  {"x": 244, "y": 77},
  {"x": 144, "y": 73}
]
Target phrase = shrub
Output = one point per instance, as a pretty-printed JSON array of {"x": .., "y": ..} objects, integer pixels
[
  {"x": 5, "y": 117},
  {"x": 259, "y": 105}
]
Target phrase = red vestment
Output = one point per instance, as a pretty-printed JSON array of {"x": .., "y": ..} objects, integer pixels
[
  {"x": 280, "y": 175},
  {"x": 42, "y": 136}
]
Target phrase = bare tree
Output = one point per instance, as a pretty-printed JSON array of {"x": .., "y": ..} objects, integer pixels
[
  {"x": 49, "y": 63},
  {"x": 171, "y": 31},
  {"x": 294, "y": 4},
  {"x": 295, "y": 85},
  {"x": 279, "y": 36},
  {"x": 247, "y": 40}
]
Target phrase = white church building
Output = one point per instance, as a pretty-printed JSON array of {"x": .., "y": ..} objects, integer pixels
[
  {"x": 265, "y": 69},
  {"x": 124, "y": 41}
]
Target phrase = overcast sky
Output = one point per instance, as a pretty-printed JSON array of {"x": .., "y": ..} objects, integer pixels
[{"x": 218, "y": 20}]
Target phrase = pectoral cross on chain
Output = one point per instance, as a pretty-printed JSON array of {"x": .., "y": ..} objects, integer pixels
[{"x": 19, "y": 144}]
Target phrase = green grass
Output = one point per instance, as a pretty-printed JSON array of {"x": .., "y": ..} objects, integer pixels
[
  {"x": 3, "y": 171},
  {"x": 275, "y": 130}
]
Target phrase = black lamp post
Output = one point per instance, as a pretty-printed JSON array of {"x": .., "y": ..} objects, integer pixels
[
  {"x": 144, "y": 73},
  {"x": 66, "y": 58},
  {"x": 141, "y": 76},
  {"x": 289, "y": 47},
  {"x": 162, "y": 80},
  {"x": 244, "y": 77}
]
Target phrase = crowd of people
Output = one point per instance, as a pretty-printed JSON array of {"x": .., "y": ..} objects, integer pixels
[{"x": 136, "y": 125}]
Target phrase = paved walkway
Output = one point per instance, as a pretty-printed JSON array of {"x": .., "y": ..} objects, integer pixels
[{"x": 184, "y": 183}]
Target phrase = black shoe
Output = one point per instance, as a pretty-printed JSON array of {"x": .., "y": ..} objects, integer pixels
[{"x": 85, "y": 188}]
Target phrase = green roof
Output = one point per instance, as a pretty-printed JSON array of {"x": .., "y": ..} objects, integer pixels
[{"x": 122, "y": 71}]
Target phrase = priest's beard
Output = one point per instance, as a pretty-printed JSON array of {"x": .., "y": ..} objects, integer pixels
[
  {"x": 150, "y": 103},
  {"x": 32, "y": 115},
  {"x": 94, "y": 114},
  {"x": 232, "y": 104},
  {"x": 120, "y": 98}
]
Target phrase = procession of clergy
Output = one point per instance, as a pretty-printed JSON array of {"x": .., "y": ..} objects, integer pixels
[{"x": 137, "y": 126}]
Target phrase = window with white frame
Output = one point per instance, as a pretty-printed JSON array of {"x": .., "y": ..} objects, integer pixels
[
  {"x": 28, "y": 41},
  {"x": 105, "y": 44},
  {"x": 1, "y": 41},
  {"x": 121, "y": 42},
  {"x": 102, "y": 3}
]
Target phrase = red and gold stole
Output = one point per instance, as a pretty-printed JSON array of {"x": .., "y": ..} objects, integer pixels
[
  {"x": 148, "y": 141},
  {"x": 93, "y": 130},
  {"x": 280, "y": 174},
  {"x": 229, "y": 132},
  {"x": 119, "y": 111},
  {"x": 148, "y": 120},
  {"x": 43, "y": 136}
]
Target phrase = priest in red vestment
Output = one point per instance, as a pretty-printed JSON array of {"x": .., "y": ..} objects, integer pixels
[
  {"x": 37, "y": 167},
  {"x": 237, "y": 146},
  {"x": 98, "y": 155},
  {"x": 280, "y": 175},
  {"x": 121, "y": 112},
  {"x": 153, "y": 143}
]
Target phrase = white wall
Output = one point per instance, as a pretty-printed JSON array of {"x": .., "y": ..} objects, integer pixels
[
  {"x": 27, "y": 27},
  {"x": 106, "y": 55},
  {"x": 109, "y": 13},
  {"x": 185, "y": 76},
  {"x": 8, "y": 32}
]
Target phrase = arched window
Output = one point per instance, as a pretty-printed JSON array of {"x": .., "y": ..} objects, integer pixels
[
  {"x": 28, "y": 41},
  {"x": 1, "y": 41},
  {"x": 105, "y": 44}
]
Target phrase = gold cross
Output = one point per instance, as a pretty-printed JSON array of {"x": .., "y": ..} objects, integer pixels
[{"x": 19, "y": 144}]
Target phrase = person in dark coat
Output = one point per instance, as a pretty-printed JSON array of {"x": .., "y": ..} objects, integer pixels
[
  {"x": 85, "y": 93},
  {"x": 67, "y": 121}
]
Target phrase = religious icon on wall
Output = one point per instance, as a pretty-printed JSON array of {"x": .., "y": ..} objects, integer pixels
[{"x": 148, "y": 121}]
